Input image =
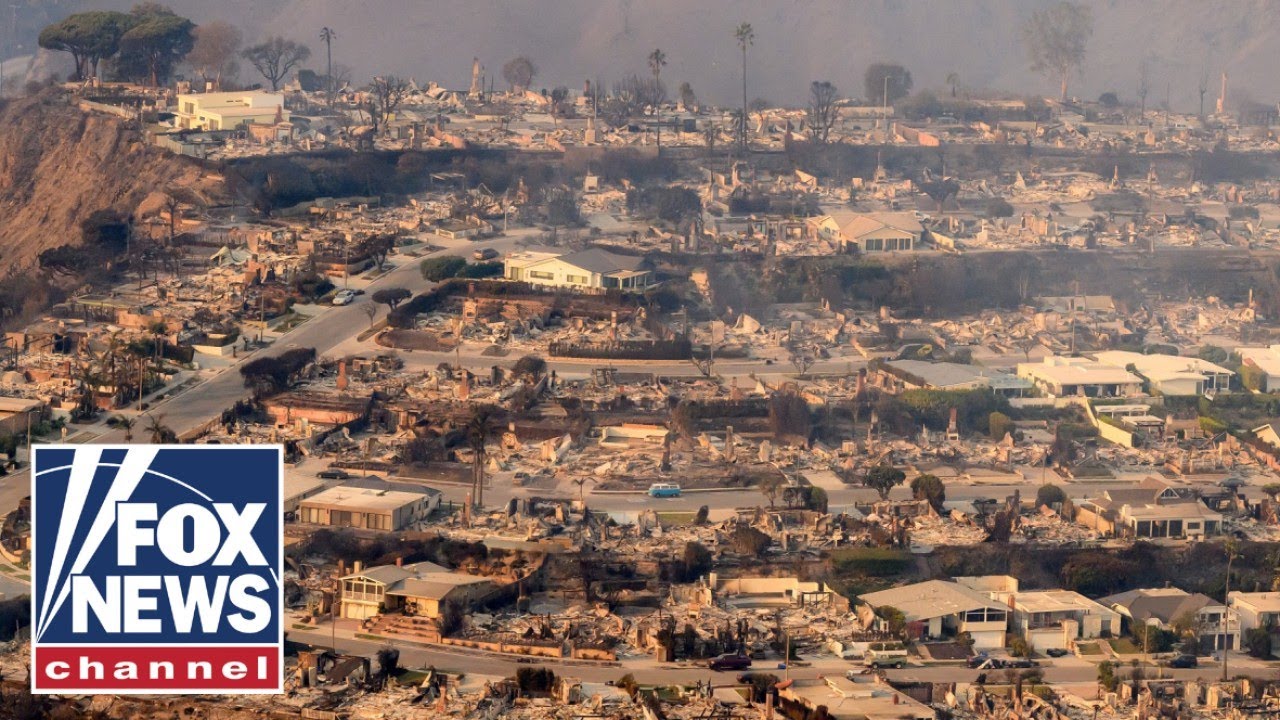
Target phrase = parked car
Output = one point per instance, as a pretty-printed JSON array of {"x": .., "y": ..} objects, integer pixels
[
  {"x": 1056, "y": 652},
  {"x": 344, "y": 297},
  {"x": 333, "y": 474},
  {"x": 884, "y": 654},
  {"x": 733, "y": 661},
  {"x": 485, "y": 254},
  {"x": 1184, "y": 661}
]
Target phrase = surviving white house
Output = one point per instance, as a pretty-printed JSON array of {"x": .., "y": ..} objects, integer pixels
[
  {"x": 1055, "y": 618},
  {"x": 229, "y": 110},
  {"x": 1267, "y": 360},
  {"x": 1062, "y": 376},
  {"x": 1171, "y": 374},
  {"x": 592, "y": 269}
]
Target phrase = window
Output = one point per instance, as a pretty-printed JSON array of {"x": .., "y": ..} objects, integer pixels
[
  {"x": 577, "y": 279},
  {"x": 539, "y": 275}
]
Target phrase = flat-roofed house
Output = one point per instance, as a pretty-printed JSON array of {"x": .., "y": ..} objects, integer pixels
[
  {"x": 229, "y": 110},
  {"x": 373, "y": 508},
  {"x": 1171, "y": 374},
  {"x": 1054, "y": 618},
  {"x": 1065, "y": 376},
  {"x": 1256, "y": 610},
  {"x": 589, "y": 270},
  {"x": 1265, "y": 359}
]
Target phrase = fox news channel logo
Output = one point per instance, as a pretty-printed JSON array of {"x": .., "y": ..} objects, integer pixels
[{"x": 156, "y": 569}]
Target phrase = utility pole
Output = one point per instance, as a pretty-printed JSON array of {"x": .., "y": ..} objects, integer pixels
[{"x": 1226, "y": 611}]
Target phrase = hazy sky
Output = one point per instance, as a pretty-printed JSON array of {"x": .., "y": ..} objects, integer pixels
[{"x": 796, "y": 41}]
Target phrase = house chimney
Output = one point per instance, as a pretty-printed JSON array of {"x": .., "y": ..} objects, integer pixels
[
  {"x": 399, "y": 562},
  {"x": 464, "y": 388},
  {"x": 355, "y": 567},
  {"x": 342, "y": 375}
]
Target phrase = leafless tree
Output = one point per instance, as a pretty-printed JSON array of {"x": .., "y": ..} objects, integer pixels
[
  {"x": 276, "y": 58},
  {"x": 1056, "y": 37},
  {"x": 802, "y": 361},
  {"x": 822, "y": 112},
  {"x": 213, "y": 56},
  {"x": 385, "y": 95}
]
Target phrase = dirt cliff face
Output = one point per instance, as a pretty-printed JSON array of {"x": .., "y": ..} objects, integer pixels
[{"x": 58, "y": 164}]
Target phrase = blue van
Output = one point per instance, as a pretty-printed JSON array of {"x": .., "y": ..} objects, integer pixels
[{"x": 660, "y": 490}]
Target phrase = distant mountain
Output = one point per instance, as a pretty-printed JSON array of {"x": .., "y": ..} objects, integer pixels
[{"x": 796, "y": 41}]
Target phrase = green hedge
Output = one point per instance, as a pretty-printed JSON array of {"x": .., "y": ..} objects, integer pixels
[{"x": 872, "y": 562}]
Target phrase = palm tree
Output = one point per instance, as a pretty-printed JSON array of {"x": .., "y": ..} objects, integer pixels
[
  {"x": 126, "y": 423},
  {"x": 158, "y": 330},
  {"x": 657, "y": 59},
  {"x": 953, "y": 79},
  {"x": 746, "y": 37},
  {"x": 477, "y": 437},
  {"x": 327, "y": 36},
  {"x": 159, "y": 431}
]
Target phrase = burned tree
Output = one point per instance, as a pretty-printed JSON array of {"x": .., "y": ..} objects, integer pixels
[
  {"x": 822, "y": 112},
  {"x": 1056, "y": 37}
]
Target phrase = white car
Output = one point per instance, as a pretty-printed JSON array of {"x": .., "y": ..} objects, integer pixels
[{"x": 344, "y": 297}]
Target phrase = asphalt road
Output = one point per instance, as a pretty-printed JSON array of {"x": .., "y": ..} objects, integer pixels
[{"x": 1069, "y": 670}]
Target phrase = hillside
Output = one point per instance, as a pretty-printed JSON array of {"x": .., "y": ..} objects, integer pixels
[{"x": 59, "y": 164}]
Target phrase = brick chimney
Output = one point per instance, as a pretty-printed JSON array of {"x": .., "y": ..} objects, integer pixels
[
  {"x": 399, "y": 562},
  {"x": 342, "y": 375}
]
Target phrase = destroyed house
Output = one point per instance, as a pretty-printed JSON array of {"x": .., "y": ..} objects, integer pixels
[
  {"x": 1153, "y": 509},
  {"x": 920, "y": 374},
  {"x": 417, "y": 589},
  {"x": 592, "y": 269},
  {"x": 937, "y": 609},
  {"x": 846, "y": 699},
  {"x": 320, "y": 408}
]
